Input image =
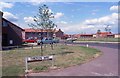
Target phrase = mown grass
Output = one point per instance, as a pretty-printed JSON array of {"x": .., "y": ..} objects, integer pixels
[
  {"x": 99, "y": 39},
  {"x": 64, "y": 56}
]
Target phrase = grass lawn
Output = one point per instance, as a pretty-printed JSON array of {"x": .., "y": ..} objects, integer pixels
[
  {"x": 99, "y": 39},
  {"x": 64, "y": 56}
]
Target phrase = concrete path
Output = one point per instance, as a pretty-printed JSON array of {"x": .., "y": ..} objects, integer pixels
[{"x": 105, "y": 65}]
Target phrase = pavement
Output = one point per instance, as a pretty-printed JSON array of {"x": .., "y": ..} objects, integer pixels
[{"x": 105, "y": 65}]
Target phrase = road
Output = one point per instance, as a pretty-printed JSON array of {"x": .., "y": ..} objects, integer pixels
[{"x": 105, "y": 65}]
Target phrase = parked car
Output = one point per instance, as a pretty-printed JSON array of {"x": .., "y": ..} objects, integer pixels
[
  {"x": 71, "y": 39},
  {"x": 55, "y": 40},
  {"x": 47, "y": 41},
  {"x": 29, "y": 40}
]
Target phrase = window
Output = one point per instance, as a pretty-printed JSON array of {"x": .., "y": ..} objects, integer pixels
[{"x": 5, "y": 24}]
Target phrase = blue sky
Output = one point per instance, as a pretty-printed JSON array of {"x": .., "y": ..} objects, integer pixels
[{"x": 71, "y": 17}]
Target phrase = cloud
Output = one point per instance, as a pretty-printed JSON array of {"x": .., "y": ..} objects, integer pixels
[
  {"x": 29, "y": 19},
  {"x": 5, "y": 5},
  {"x": 93, "y": 13},
  {"x": 37, "y": 2},
  {"x": 58, "y": 15},
  {"x": 91, "y": 25},
  {"x": 61, "y": 22},
  {"x": 109, "y": 19},
  {"x": 114, "y": 8},
  {"x": 77, "y": 28},
  {"x": 10, "y": 16}
]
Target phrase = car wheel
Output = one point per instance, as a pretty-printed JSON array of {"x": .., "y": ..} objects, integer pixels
[{"x": 38, "y": 43}]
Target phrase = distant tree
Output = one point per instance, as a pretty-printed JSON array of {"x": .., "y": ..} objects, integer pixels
[
  {"x": 107, "y": 29},
  {"x": 98, "y": 31}
]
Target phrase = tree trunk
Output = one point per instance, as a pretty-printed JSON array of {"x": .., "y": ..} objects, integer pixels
[{"x": 47, "y": 34}]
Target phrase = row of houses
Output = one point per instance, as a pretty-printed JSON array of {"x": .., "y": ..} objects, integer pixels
[
  {"x": 14, "y": 35},
  {"x": 96, "y": 35},
  {"x": 34, "y": 33}
]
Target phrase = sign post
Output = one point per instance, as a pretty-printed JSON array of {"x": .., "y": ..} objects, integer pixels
[
  {"x": 36, "y": 59},
  {"x": 26, "y": 65}
]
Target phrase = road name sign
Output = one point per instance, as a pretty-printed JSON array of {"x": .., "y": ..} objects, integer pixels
[{"x": 37, "y": 58}]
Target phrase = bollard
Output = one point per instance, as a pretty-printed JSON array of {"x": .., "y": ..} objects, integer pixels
[
  {"x": 87, "y": 45},
  {"x": 52, "y": 61},
  {"x": 26, "y": 65},
  {"x": 32, "y": 46}
]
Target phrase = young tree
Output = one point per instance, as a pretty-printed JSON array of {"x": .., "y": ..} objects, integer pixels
[{"x": 42, "y": 20}]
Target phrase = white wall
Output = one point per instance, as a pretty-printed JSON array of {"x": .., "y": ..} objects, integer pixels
[{"x": 117, "y": 35}]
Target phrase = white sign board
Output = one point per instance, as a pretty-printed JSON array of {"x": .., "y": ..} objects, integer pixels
[{"x": 37, "y": 58}]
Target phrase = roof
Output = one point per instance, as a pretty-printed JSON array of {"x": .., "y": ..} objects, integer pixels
[
  {"x": 59, "y": 30},
  {"x": 33, "y": 30},
  {"x": 12, "y": 24},
  {"x": 66, "y": 35},
  {"x": 105, "y": 33},
  {"x": 86, "y": 34},
  {"x": 39, "y": 30}
]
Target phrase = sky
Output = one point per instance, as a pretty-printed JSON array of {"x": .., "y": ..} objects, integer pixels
[{"x": 70, "y": 17}]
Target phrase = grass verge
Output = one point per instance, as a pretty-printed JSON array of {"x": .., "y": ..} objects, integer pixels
[
  {"x": 100, "y": 39},
  {"x": 64, "y": 56}
]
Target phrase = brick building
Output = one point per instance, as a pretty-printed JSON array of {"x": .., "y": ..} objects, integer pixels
[
  {"x": 11, "y": 33},
  {"x": 86, "y": 35},
  {"x": 34, "y": 33},
  {"x": 97, "y": 35},
  {"x": 104, "y": 34},
  {"x": 59, "y": 33}
]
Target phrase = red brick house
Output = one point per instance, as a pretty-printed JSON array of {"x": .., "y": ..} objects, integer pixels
[
  {"x": 86, "y": 35},
  {"x": 65, "y": 36},
  {"x": 83, "y": 35},
  {"x": 59, "y": 33},
  {"x": 104, "y": 34},
  {"x": 76, "y": 35},
  {"x": 11, "y": 33},
  {"x": 34, "y": 33}
]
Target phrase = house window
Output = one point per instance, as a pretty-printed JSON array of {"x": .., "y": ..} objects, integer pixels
[{"x": 5, "y": 24}]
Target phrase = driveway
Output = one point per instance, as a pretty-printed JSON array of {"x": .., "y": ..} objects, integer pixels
[{"x": 105, "y": 65}]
